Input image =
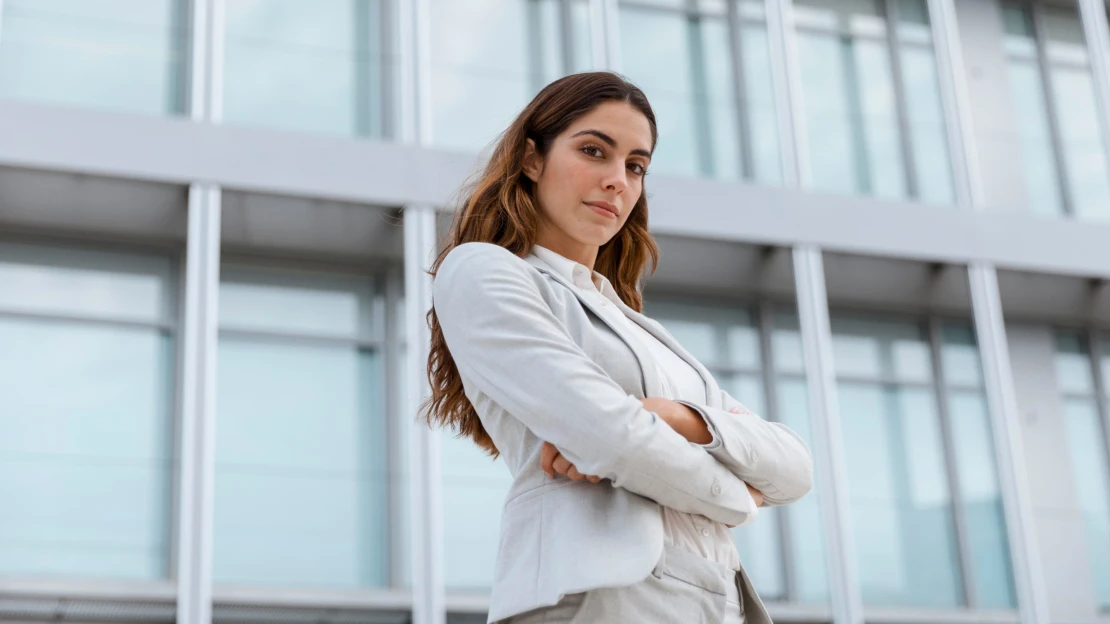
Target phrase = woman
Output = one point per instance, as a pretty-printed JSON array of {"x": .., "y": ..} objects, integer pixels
[{"x": 628, "y": 465}]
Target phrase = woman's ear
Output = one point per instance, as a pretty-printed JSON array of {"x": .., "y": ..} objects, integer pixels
[{"x": 533, "y": 162}]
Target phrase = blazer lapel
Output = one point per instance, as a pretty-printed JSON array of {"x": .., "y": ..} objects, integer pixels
[
  {"x": 652, "y": 385},
  {"x": 653, "y": 327}
]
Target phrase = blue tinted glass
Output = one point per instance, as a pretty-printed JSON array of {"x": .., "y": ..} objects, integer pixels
[
  {"x": 489, "y": 58},
  {"x": 85, "y": 449},
  {"x": 1042, "y": 183},
  {"x": 312, "y": 66},
  {"x": 1089, "y": 462},
  {"x": 474, "y": 490},
  {"x": 927, "y": 127},
  {"x": 301, "y": 465},
  {"x": 982, "y": 500},
  {"x": 717, "y": 335},
  {"x": 900, "y": 503},
  {"x": 125, "y": 55},
  {"x": 807, "y": 531},
  {"x": 685, "y": 66},
  {"x": 1088, "y": 172}
]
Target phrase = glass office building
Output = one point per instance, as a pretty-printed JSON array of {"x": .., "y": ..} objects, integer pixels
[{"x": 885, "y": 223}]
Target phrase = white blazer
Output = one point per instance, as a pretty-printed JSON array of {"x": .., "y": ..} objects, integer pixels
[{"x": 539, "y": 364}]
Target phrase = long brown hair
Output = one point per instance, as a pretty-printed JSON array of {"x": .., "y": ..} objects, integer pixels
[{"x": 498, "y": 206}]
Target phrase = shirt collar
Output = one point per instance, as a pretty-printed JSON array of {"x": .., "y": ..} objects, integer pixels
[{"x": 576, "y": 272}]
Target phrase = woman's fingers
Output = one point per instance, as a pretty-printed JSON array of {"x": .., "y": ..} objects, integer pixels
[
  {"x": 547, "y": 458},
  {"x": 552, "y": 463},
  {"x": 735, "y": 410},
  {"x": 562, "y": 465}
]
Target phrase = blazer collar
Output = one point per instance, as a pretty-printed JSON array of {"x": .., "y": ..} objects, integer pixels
[{"x": 652, "y": 384}]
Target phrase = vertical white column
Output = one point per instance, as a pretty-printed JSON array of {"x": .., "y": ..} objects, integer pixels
[
  {"x": 197, "y": 433},
  {"x": 787, "y": 83},
  {"x": 813, "y": 315},
  {"x": 605, "y": 34},
  {"x": 1002, "y": 401},
  {"x": 1, "y": 20},
  {"x": 427, "y": 489},
  {"x": 989, "y": 324},
  {"x": 198, "y": 407},
  {"x": 1097, "y": 33},
  {"x": 957, "y": 103}
]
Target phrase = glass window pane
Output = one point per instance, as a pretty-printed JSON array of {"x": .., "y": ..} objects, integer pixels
[
  {"x": 685, "y": 66},
  {"x": 86, "y": 472},
  {"x": 982, "y": 500},
  {"x": 1104, "y": 364},
  {"x": 881, "y": 349},
  {"x": 1031, "y": 116},
  {"x": 306, "y": 66},
  {"x": 1088, "y": 173},
  {"x": 717, "y": 335},
  {"x": 85, "y": 282},
  {"x": 123, "y": 55},
  {"x": 786, "y": 344},
  {"x": 301, "y": 465},
  {"x": 474, "y": 490},
  {"x": 1088, "y": 456},
  {"x": 807, "y": 532},
  {"x": 489, "y": 58},
  {"x": 1073, "y": 364},
  {"x": 901, "y": 506},
  {"x": 960, "y": 355},
  {"x": 322, "y": 305},
  {"x": 927, "y": 127}
]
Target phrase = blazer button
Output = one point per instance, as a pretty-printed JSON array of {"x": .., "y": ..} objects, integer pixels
[{"x": 716, "y": 489}]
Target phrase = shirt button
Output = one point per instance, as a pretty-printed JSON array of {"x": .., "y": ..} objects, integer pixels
[
  {"x": 705, "y": 532},
  {"x": 716, "y": 489}
]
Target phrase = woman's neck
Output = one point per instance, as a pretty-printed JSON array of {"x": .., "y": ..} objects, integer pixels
[{"x": 585, "y": 255}]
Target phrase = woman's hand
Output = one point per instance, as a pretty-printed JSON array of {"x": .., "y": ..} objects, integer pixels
[{"x": 553, "y": 462}]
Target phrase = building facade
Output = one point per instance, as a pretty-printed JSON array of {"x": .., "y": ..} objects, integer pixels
[{"x": 885, "y": 223}]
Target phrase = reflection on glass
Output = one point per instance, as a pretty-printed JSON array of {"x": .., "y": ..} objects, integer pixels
[
  {"x": 474, "y": 489},
  {"x": 853, "y": 76},
  {"x": 301, "y": 451},
  {"x": 807, "y": 531},
  {"x": 310, "y": 66},
  {"x": 122, "y": 55},
  {"x": 1089, "y": 461},
  {"x": 901, "y": 506},
  {"x": 684, "y": 63},
  {"x": 86, "y": 413},
  {"x": 881, "y": 349},
  {"x": 1087, "y": 445},
  {"x": 490, "y": 57},
  {"x": 981, "y": 499},
  {"x": 1070, "y": 144}
]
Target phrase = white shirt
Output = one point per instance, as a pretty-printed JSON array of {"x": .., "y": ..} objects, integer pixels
[{"x": 690, "y": 532}]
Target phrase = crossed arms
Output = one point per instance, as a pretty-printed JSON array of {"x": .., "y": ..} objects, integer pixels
[{"x": 508, "y": 344}]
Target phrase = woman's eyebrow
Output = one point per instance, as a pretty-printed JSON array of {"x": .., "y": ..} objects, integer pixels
[{"x": 612, "y": 142}]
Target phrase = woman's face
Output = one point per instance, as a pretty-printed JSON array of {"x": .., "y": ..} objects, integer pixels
[{"x": 591, "y": 178}]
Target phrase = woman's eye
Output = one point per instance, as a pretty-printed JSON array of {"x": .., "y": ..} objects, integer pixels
[
  {"x": 591, "y": 150},
  {"x": 637, "y": 169}
]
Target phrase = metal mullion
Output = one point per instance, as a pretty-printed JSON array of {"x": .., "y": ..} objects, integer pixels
[
  {"x": 1094, "y": 20},
  {"x": 566, "y": 36},
  {"x": 890, "y": 10},
  {"x": 427, "y": 479},
  {"x": 605, "y": 34},
  {"x": 816, "y": 336},
  {"x": 396, "y": 423},
  {"x": 787, "y": 85},
  {"x": 1003, "y": 409},
  {"x": 886, "y": 381},
  {"x": 963, "y": 537},
  {"x": 736, "y": 370},
  {"x": 772, "y": 411},
  {"x": 1060, "y": 161},
  {"x": 700, "y": 94},
  {"x": 1095, "y": 353},
  {"x": 739, "y": 88},
  {"x": 534, "y": 59}
]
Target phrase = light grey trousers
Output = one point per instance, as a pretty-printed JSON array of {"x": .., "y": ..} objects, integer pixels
[{"x": 684, "y": 588}]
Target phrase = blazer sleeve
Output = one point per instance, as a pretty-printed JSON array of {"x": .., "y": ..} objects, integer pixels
[
  {"x": 767, "y": 455},
  {"x": 506, "y": 341}
]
